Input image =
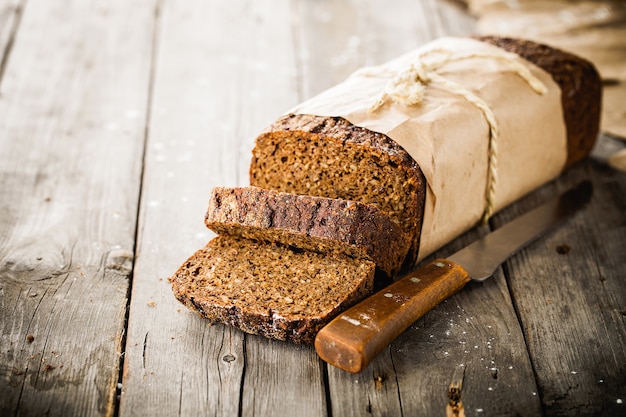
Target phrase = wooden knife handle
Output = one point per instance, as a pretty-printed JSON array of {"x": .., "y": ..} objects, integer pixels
[{"x": 355, "y": 337}]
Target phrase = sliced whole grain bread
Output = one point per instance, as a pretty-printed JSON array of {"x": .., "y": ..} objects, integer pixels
[
  {"x": 307, "y": 222},
  {"x": 268, "y": 289},
  {"x": 286, "y": 293},
  {"x": 331, "y": 157}
]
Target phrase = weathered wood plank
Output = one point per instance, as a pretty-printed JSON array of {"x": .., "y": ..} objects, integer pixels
[
  {"x": 335, "y": 38},
  {"x": 72, "y": 108},
  {"x": 474, "y": 337},
  {"x": 282, "y": 379},
  {"x": 570, "y": 294},
  {"x": 225, "y": 70}
]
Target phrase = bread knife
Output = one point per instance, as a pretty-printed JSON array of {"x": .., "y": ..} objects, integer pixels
[{"x": 352, "y": 339}]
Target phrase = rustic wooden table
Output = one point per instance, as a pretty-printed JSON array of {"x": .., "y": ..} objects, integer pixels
[{"x": 116, "y": 120}]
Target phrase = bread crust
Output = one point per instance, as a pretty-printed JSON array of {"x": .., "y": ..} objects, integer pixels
[
  {"x": 308, "y": 222},
  {"x": 272, "y": 152},
  {"x": 268, "y": 289}
]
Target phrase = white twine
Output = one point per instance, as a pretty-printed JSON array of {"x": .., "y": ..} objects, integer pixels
[{"x": 408, "y": 87}]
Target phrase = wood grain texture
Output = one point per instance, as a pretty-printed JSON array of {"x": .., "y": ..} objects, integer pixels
[
  {"x": 71, "y": 134},
  {"x": 282, "y": 379},
  {"x": 575, "y": 277},
  {"x": 110, "y": 108},
  {"x": 473, "y": 337},
  {"x": 223, "y": 72}
]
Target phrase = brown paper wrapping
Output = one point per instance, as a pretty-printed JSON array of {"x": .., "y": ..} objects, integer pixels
[{"x": 449, "y": 136}]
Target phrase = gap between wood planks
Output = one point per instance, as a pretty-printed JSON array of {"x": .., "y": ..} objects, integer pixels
[
  {"x": 131, "y": 276},
  {"x": 455, "y": 408},
  {"x": 8, "y": 47}
]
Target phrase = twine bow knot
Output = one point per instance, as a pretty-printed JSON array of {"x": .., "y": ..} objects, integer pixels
[{"x": 406, "y": 88}]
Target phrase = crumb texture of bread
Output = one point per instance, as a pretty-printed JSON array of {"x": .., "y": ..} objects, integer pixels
[
  {"x": 330, "y": 157},
  {"x": 268, "y": 289},
  {"x": 307, "y": 222}
]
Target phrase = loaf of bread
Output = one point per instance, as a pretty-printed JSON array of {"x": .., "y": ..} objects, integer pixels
[
  {"x": 329, "y": 156},
  {"x": 330, "y": 200},
  {"x": 268, "y": 289},
  {"x": 306, "y": 222}
]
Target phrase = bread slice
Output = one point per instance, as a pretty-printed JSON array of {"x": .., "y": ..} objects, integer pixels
[
  {"x": 268, "y": 289},
  {"x": 330, "y": 157},
  {"x": 306, "y": 222}
]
